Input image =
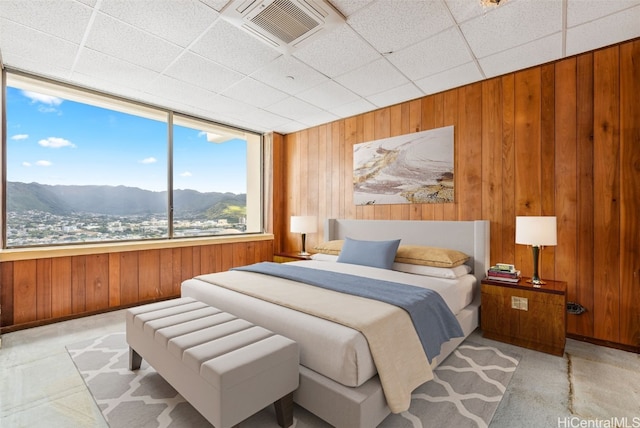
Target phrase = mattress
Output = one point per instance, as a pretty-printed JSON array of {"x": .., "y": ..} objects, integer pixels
[{"x": 332, "y": 350}]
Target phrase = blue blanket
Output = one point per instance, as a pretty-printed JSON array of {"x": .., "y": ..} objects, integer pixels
[{"x": 433, "y": 320}]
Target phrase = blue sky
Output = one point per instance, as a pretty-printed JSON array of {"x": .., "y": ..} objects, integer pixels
[{"x": 56, "y": 141}]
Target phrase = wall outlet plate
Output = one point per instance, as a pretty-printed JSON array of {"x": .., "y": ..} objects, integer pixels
[{"x": 519, "y": 303}]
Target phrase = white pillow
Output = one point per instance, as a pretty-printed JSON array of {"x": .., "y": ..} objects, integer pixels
[
  {"x": 324, "y": 257},
  {"x": 439, "y": 272}
]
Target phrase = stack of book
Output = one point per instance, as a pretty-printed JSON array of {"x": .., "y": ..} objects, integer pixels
[{"x": 503, "y": 272}]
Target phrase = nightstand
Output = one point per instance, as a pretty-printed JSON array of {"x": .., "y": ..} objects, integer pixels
[
  {"x": 524, "y": 315},
  {"x": 289, "y": 257}
]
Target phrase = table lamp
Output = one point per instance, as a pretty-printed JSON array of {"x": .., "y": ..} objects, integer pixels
[
  {"x": 537, "y": 231},
  {"x": 304, "y": 224}
]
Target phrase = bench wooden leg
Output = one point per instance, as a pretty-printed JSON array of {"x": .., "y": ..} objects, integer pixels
[
  {"x": 284, "y": 410},
  {"x": 135, "y": 360}
]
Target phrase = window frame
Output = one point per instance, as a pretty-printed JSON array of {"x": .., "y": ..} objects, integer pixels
[{"x": 137, "y": 108}]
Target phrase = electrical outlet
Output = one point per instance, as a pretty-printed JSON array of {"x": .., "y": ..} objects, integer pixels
[
  {"x": 520, "y": 303},
  {"x": 515, "y": 302}
]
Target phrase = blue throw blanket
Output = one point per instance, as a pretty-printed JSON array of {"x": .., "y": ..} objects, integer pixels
[{"x": 433, "y": 320}]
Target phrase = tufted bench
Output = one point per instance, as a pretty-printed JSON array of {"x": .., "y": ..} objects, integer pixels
[{"x": 226, "y": 367}]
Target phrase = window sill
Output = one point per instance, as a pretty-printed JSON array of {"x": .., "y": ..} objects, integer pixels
[{"x": 117, "y": 247}]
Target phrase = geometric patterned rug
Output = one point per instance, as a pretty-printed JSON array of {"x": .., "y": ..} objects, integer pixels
[{"x": 465, "y": 392}]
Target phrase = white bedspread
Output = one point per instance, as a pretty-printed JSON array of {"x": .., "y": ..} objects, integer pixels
[
  {"x": 457, "y": 293},
  {"x": 330, "y": 349}
]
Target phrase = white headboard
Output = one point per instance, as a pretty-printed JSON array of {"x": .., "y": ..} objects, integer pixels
[{"x": 470, "y": 237}]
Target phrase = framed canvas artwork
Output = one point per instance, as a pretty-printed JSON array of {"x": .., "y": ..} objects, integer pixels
[{"x": 412, "y": 168}]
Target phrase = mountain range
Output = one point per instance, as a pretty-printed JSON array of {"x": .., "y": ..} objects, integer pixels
[{"x": 115, "y": 200}]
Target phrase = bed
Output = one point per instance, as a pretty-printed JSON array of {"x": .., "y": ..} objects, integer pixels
[{"x": 339, "y": 380}]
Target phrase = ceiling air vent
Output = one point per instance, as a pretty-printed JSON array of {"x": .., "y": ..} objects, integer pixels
[{"x": 283, "y": 24}]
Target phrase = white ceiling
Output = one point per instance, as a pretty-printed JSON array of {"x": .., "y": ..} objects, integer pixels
[{"x": 180, "y": 54}]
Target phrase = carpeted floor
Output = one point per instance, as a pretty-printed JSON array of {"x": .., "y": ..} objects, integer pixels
[{"x": 465, "y": 392}]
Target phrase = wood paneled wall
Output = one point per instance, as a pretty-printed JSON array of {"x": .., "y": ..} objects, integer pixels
[
  {"x": 559, "y": 139},
  {"x": 44, "y": 290}
]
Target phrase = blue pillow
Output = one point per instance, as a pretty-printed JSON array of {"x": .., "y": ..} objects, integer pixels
[{"x": 380, "y": 254}]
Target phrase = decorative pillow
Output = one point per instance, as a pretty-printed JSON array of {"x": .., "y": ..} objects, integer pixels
[
  {"x": 378, "y": 254},
  {"x": 330, "y": 247},
  {"x": 430, "y": 256},
  {"x": 438, "y": 272},
  {"x": 324, "y": 257}
]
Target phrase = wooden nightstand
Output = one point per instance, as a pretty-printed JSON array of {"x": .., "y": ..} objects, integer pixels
[
  {"x": 289, "y": 257},
  {"x": 523, "y": 315}
]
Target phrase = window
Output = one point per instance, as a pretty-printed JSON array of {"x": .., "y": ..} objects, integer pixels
[
  {"x": 212, "y": 177},
  {"x": 82, "y": 167}
]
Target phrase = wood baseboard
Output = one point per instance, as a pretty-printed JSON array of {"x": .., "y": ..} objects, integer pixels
[
  {"x": 608, "y": 344},
  {"x": 39, "y": 323}
]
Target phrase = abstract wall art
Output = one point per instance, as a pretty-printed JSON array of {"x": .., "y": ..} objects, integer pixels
[{"x": 412, "y": 168}]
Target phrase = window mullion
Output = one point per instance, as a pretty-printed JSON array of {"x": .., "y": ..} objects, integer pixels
[{"x": 170, "y": 174}]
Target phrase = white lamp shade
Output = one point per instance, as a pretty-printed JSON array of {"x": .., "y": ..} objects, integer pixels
[
  {"x": 536, "y": 230},
  {"x": 304, "y": 224}
]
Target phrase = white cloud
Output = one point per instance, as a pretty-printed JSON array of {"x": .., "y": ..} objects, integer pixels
[
  {"x": 56, "y": 143},
  {"x": 41, "y": 98},
  {"x": 43, "y": 163},
  {"x": 186, "y": 174},
  {"x": 27, "y": 164},
  {"x": 149, "y": 160},
  {"x": 18, "y": 137}
]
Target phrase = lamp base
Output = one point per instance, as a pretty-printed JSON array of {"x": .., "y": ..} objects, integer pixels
[
  {"x": 535, "y": 279},
  {"x": 537, "y": 282},
  {"x": 303, "y": 251}
]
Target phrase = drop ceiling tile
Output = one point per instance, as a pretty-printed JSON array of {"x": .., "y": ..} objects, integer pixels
[
  {"x": 65, "y": 19},
  {"x": 234, "y": 48},
  {"x": 120, "y": 40},
  {"x": 463, "y": 10},
  {"x": 452, "y": 78},
  {"x": 217, "y": 5},
  {"x": 109, "y": 69},
  {"x": 438, "y": 53},
  {"x": 319, "y": 119},
  {"x": 623, "y": 25},
  {"x": 239, "y": 122},
  {"x": 396, "y": 95},
  {"x": 179, "y": 22},
  {"x": 351, "y": 109},
  {"x": 289, "y": 75},
  {"x": 372, "y": 78},
  {"x": 584, "y": 11},
  {"x": 111, "y": 86},
  {"x": 220, "y": 104},
  {"x": 254, "y": 93},
  {"x": 199, "y": 71},
  {"x": 259, "y": 119},
  {"x": 348, "y": 7},
  {"x": 176, "y": 90},
  {"x": 289, "y": 127},
  {"x": 337, "y": 52},
  {"x": 534, "y": 53},
  {"x": 390, "y": 27},
  {"x": 17, "y": 62},
  {"x": 294, "y": 108},
  {"x": 328, "y": 95},
  {"x": 512, "y": 24},
  {"x": 131, "y": 42},
  {"x": 39, "y": 49}
]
